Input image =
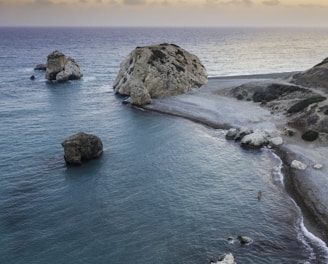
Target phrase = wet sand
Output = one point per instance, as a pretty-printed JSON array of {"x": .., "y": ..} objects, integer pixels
[{"x": 210, "y": 106}]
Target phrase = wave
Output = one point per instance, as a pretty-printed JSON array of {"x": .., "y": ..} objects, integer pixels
[{"x": 308, "y": 239}]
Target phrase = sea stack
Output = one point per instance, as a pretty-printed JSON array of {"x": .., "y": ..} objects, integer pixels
[
  {"x": 158, "y": 71},
  {"x": 61, "y": 68},
  {"x": 81, "y": 147}
]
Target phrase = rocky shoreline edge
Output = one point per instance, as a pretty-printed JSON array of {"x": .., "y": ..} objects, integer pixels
[{"x": 213, "y": 106}]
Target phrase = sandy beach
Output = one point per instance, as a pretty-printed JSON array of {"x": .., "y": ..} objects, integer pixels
[{"x": 210, "y": 105}]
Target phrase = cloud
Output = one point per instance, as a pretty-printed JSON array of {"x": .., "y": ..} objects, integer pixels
[
  {"x": 43, "y": 2},
  {"x": 231, "y": 2},
  {"x": 271, "y": 2},
  {"x": 312, "y": 6},
  {"x": 134, "y": 2}
]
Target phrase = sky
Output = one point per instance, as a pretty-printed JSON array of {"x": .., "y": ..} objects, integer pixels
[{"x": 165, "y": 13}]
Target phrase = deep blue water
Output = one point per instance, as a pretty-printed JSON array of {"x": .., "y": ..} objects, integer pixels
[{"x": 166, "y": 190}]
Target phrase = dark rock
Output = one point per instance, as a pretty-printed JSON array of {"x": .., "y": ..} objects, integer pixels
[
  {"x": 32, "y": 77},
  {"x": 310, "y": 135},
  {"x": 81, "y": 147},
  {"x": 274, "y": 91},
  {"x": 299, "y": 106},
  {"x": 40, "y": 67},
  {"x": 244, "y": 239}
]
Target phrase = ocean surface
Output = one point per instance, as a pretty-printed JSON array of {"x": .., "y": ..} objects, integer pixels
[{"x": 166, "y": 190}]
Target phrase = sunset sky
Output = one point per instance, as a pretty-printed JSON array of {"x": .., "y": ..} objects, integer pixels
[{"x": 180, "y": 13}]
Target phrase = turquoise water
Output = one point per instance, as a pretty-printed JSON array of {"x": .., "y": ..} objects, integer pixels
[{"x": 166, "y": 190}]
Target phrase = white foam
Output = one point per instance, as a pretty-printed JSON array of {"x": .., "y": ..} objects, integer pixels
[
  {"x": 89, "y": 78},
  {"x": 307, "y": 235},
  {"x": 304, "y": 234}
]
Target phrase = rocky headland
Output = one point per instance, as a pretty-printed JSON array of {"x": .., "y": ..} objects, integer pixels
[{"x": 284, "y": 111}]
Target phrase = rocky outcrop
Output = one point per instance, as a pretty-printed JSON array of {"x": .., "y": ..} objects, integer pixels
[
  {"x": 254, "y": 139},
  {"x": 61, "y": 68},
  {"x": 158, "y": 71},
  {"x": 81, "y": 147},
  {"x": 40, "y": 67},
  {"x": 224, "y": 259},
  {"x": 306, "y": 108},
  {"x": 317, "y": 76}
]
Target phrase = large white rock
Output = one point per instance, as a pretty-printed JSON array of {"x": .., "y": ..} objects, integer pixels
[
  {"x": 163, "y": 70},
  {"x": 298, "y": 165},
  {"x": 71, "y": 71},
  {"x": 257, "y": 139},
  {"x": 62, "y": 68},
  {"x": 226, "y": 259},
  {"x": 276, "y": 141}
]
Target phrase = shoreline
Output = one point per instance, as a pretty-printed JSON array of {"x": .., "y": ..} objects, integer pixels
[{"x": 210, "y": 106}]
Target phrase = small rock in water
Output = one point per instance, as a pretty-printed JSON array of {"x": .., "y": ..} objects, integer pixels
[
  {"x": 81, "y": 147},
  {"x": 244, "y": 239}
]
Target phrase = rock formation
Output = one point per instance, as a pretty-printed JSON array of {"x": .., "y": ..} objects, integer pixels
[
  {"x": 40, "y": 67},
  {"x": 224, "y": 259},
  {"x": 305, "y": 107},
  {"x": 62, "y": 68},
  {"x": 158, "y": 71},
  {"x": 254, "y": 139},
  {"x": 81, "y": 147},
  {"x": 317, "y": 76}
]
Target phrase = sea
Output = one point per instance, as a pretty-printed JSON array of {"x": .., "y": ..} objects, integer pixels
[{"x": 166, "y": 190}]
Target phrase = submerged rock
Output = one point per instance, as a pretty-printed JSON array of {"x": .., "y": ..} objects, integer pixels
[
  {"x": 81, "y": 147},
  {"x": 62, "y": 68},
  {"x": 158, "y": 71}
]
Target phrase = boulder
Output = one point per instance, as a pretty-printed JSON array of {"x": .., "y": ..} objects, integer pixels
[
  {"x": 244, "y": 239},
  {"x": 161, "y": 70},
  {"x": 310, "y": 135},
  {"x": 317, "y": 76},
  {"x": 232, "y": 133},
  {"x": 62, "y": 68},
  {"x": 257, "y": 139},
  {"x": 224, "y": 259},
  {"x": 81, "y": 147},
  {"x": 40, "y": 67},
  {"x": 276, "y": 141},
  {"x": 298, "y": 165}
]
